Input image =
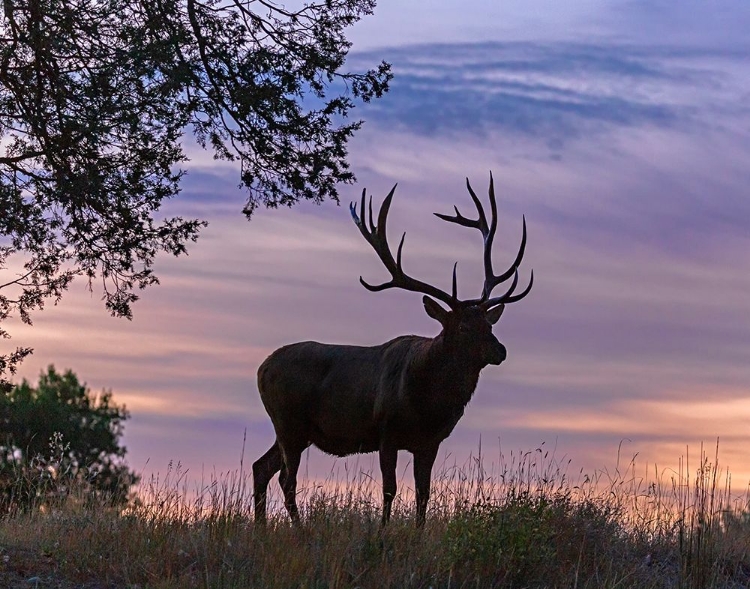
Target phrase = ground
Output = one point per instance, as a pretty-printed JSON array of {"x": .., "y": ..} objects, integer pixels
[{"x": 24, "y": 569}]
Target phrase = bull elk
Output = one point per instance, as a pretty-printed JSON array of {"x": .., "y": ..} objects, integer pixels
[{"x": 405, "y": 394}]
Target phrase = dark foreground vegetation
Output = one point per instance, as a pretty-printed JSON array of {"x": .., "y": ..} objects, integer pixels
[{"x": 526, "y": 525}]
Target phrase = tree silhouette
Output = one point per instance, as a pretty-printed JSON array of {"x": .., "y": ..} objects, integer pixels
[{"x": 97, "y": 97}]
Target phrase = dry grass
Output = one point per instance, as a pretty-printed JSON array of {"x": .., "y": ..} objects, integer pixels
[{"x": 524, "y": 525}]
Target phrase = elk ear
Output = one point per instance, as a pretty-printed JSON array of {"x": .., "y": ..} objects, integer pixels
[
  {"x": 493, "y": 315},
  {"x": 434, "y": 310}
]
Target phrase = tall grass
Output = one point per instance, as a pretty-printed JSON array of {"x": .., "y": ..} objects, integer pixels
[{"x": 523, "y": 523}]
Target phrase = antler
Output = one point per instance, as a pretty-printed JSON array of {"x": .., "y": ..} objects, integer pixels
[
  {"x": 376, "y": 237},
  {"x": 488, "y": 233}
]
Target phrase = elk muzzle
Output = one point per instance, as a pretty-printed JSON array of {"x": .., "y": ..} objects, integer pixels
[{"x": 495, "y": 352}]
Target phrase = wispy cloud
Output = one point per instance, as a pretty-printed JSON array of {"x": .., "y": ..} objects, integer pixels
[{"x": 555, "y": 91}]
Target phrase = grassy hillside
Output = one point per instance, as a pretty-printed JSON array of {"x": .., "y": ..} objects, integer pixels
[{"x": 527, "y": 526}]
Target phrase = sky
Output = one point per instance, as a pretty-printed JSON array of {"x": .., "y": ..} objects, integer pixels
[{"x": 620, "y": 129}]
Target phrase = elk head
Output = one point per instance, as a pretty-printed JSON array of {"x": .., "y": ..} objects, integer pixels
[{"x": 467, "y": 324}]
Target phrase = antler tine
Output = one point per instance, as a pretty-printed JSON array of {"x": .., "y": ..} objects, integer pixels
[
  {"x": 490, "y": 280},
  {"x": 482, "y": 221},
  {"x": 372, "y": 225},
  {"x": 479, "y": 223},
  {"x": 383, "y": 214},
  {"x": 455, "y": 282},
  {"x": 377, "y": 238},
  {"x": 459, "y": 219},
  {"x": 516, "y": 263},
  {"x": 508, "y": 297}
]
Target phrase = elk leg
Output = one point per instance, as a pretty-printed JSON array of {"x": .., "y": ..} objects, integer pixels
[
  {"x": 263, "y": 470},
  {"x": 288, "y": 481},
  {"x": 388, "y": 459},
  {"x": 423, "y": 461}
]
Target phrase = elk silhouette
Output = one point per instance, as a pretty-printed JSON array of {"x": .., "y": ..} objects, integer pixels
[{"x": 405, "y": 394}]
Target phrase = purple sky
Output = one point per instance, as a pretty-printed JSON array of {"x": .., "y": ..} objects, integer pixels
[{"x": 620, "y": 129}]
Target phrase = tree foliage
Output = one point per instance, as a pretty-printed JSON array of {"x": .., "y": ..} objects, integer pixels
[
  {"x": 96, "y": 98},
  {"x": 60, "y": 431}
]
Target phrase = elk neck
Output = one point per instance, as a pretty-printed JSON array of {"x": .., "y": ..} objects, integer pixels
[{"x": 446, "y": 376}]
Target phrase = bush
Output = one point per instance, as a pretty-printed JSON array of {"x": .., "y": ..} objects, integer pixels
[
  {"x": 57, "y": 433},
  {"x": 526, "y": 536}
]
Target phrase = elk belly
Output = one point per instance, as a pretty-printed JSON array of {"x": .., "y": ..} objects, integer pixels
[
  {"x": 339, "y": 445},
  {"x": 342, "y": 428}
]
